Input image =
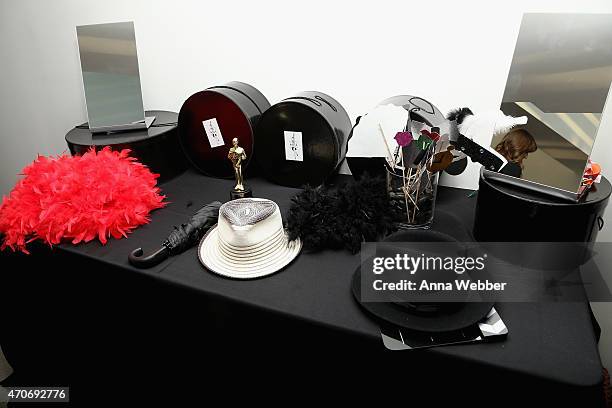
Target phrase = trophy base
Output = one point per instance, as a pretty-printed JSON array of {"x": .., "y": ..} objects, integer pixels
[{"x": 241, "y": 194}]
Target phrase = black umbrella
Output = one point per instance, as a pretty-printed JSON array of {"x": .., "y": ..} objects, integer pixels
[{"x": 181, "y": 239}]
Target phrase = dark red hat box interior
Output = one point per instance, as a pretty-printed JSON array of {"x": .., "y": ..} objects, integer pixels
[
  {"x": 210, "y": 119},
  {"x": 302, "y": 139}
]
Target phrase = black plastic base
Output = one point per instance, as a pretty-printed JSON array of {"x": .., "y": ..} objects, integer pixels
[{"x": 241, "y": 194}]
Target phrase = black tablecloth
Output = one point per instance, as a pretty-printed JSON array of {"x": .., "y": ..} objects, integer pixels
[{"x": 552, "y": 347}]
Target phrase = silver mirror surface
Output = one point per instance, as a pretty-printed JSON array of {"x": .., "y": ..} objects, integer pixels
[
  {"x": 111, "y": 79},
  {"x": 559, "y": 78}
]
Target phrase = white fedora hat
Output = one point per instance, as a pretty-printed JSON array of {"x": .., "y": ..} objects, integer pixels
[{"x": 249, "y": 240}]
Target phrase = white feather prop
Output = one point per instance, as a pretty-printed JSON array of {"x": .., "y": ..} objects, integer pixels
[{"x": 486, "y": 125}]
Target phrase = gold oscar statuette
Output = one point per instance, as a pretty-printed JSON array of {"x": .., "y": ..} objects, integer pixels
[{"x": 237, "y": 155}]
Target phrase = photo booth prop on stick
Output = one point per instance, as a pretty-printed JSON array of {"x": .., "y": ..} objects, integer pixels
[
  {"x": 403, "y": 131},
  {"x": 407, "y": 140}
]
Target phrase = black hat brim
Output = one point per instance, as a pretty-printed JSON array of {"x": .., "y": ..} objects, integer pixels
[{"x": 455, "y": 317}]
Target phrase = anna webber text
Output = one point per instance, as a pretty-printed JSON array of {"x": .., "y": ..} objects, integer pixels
[{"x": 426, "y": 286}]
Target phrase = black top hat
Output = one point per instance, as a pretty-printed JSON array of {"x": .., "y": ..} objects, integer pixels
[{"x": 424, "y": 317}]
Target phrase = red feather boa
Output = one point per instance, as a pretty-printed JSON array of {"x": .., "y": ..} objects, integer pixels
[{"x": 99, "y": 194}]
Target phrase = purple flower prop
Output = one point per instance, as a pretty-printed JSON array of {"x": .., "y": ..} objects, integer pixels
[{"x": 403, "y": 138}]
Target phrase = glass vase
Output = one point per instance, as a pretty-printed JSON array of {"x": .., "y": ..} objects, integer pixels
[{"x": 412, "y": 193}]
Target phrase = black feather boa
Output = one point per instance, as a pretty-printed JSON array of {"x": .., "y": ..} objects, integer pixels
[{"x": 341, "y": 217}]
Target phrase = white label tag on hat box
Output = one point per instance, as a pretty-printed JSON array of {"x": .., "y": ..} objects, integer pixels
[
  {"x": 211, "y": 127},
  {"x": 294, "y": 150}
]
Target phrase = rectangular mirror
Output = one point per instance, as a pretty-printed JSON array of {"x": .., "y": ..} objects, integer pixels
[
  {"x": 559, "y": 79},
  {"x": 111, "y": 79}
]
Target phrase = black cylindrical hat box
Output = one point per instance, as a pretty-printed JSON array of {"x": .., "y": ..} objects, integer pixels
[
  {"x": 302, "y": 139},
  {"x": 210, "y": 119},
  {"x": 508, "y": 213},
  {"x": 157, "y": 147}
]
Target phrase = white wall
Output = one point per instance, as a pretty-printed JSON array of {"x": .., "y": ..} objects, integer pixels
[{"x": 360, "y": 52}]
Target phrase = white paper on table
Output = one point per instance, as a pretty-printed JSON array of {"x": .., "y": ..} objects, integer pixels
[{"x": 367, "y": 140}]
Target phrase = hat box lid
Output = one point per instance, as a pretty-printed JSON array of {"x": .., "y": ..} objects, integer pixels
[{"x": 210, "y": 119}]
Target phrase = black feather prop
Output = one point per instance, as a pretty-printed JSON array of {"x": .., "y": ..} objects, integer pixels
[
  {"x": 341, "y": 217},
  {"x": 459, "y": 114}
]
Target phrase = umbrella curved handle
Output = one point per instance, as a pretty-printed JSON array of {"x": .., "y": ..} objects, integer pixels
[{"x": 138, "y": 259}]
